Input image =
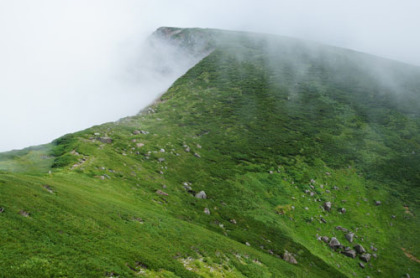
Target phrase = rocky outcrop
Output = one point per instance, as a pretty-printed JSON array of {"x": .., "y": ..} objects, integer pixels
[
  {"x": 365, "y": 257},
  {"x": 201, "y": 195},
  {"x": 349, "y": 253},
  {"x": 334, "y": 243},
  {"x": 350, "y": 237},
  {"x": 327, "y": 206},
  {"x": 288, "y": 257},
  {"x": 359, "y": 249}
]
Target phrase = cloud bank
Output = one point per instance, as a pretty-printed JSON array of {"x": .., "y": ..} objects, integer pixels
[{"x": 67, "y": 65}]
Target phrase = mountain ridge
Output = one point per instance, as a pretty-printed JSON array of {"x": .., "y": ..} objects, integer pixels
[{"x": 271, "y": 131}]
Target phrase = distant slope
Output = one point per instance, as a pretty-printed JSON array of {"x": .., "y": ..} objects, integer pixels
[{"x": 271, "y": 129}]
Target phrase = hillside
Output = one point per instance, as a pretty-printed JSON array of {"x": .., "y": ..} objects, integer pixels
[{"x": 245, "y": 165}]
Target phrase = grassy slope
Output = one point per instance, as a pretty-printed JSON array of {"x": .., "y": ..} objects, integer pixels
[{"x": 253, "y": 106}]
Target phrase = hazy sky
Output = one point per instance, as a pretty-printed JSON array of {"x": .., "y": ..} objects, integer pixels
[{"x": 66, "y": 65}]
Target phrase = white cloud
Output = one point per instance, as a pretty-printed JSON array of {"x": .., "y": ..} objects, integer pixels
[{"x": 65, "y": 65}]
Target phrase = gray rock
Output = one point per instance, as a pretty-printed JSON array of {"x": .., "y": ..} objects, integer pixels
[
  {"x": 378, "y": 203},
  {"x": 374, "y": 255},
  {"x": 160, "y": 192},
  {"x": 1, "y": 210},
  {"x": 361, "y": 265},
  {"x": 349, "y": 253},
  {"x": 334, "y": 243},
  {"x": 365, "y": 257},
  {"x": 323, "y": 220},
  {"x": 350, "y": 237},
  {"x": 136, "y": 132},
  {"x": 233, "y": 221},
  {"x": 288, "y": 257},
  {"x": 201, "y": 195},
  {"x": 342, "y": 210},
  {"x": 24, "y": 213},
  {"x": 359, "y": 249},
  {"x": 341, "y": 229},
  {"x": 374, "y": 249},
  {"x": 325, "y": 239},
  {"x": 407, "y": 275},
  {"x": 197, "y": 155},
  {"x": 327, "y": 206},
  {"x": 106, "y": 140},
  {"x": 207, "y": 211}
]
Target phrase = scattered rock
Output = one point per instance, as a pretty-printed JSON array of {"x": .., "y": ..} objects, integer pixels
[
  {"x": 1, "y": 210},
  {"x": 365, "y": 257},
  {"x": 306, "y": 208},
  {"x": 349, "y": 253},
  {"x": 327, "y": 206},
  {"x": 48, "y": 188},
  {"x": 327, "y": 191},
  {"x": 161, "y": 159},
  {"x": 207, "y": 211},
  {"x": 359, "y": 249},
  {"x": 378, "y": 203},
  {"x": 199, "y": 146},
  {"x": 341, "y": 229},
  {"x": 160, "y": 192},
  {"x": 313, "y": 181},
  {"x": 323, "y": 220},
  {"x": 350, "y": 237},
  {"x": 335, "y": 187},
  {"x": 374, "y": 255},
  {"x": 197, "y": 155},
  {"x": 187, "y": 186},
  {"x": 139, "y": 145},
  {"x": 374, "y": 249},
  {"x": 407, "y": 275},
  {"x": 106, "y": 140},
  {"x": 325, "y": 239},
  {"x": 361, "y": 265},
  {"x": 288, "y": 257},
  {"x": 342, "y": 210},
  {"x": 162, "y": 150},
  {"x": 136, "y": 132},
  {"x": 201, "y": 195},
  {"x": 233, "y": 221},
  {"x": 328, "y": 173},
  {"x": 247, "y": 243},
  {"x": 24, "y": 213},
  {"x": 334, "y": 243}
]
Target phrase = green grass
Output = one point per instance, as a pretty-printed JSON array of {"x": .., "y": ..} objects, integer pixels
[{"x": 261, "y": 116}]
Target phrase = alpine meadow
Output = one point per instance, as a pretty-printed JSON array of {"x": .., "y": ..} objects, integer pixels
[{"x": 270, "y": 157}]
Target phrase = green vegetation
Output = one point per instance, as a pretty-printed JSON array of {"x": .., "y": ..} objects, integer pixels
[{"x": 271, "y": 129}]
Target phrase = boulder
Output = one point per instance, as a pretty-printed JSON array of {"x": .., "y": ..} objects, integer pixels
[
  {"x": 201, "y": 195},
  {"x": 325, "y": 239},
  {"x": 288, "y": 257},
  {"x": 334, "y": 243},
  {"x": 327, "y": 206},
  {"x": 359, "y": 249},
  {"x": 350, "y": 237},
  {"x": 207, "y": 211},
  {"x": 365, "y": 257},
  {"x": 349, "y": 253}
]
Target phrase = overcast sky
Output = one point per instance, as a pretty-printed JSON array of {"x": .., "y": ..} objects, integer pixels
[{"x": 65, "y": 64}]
